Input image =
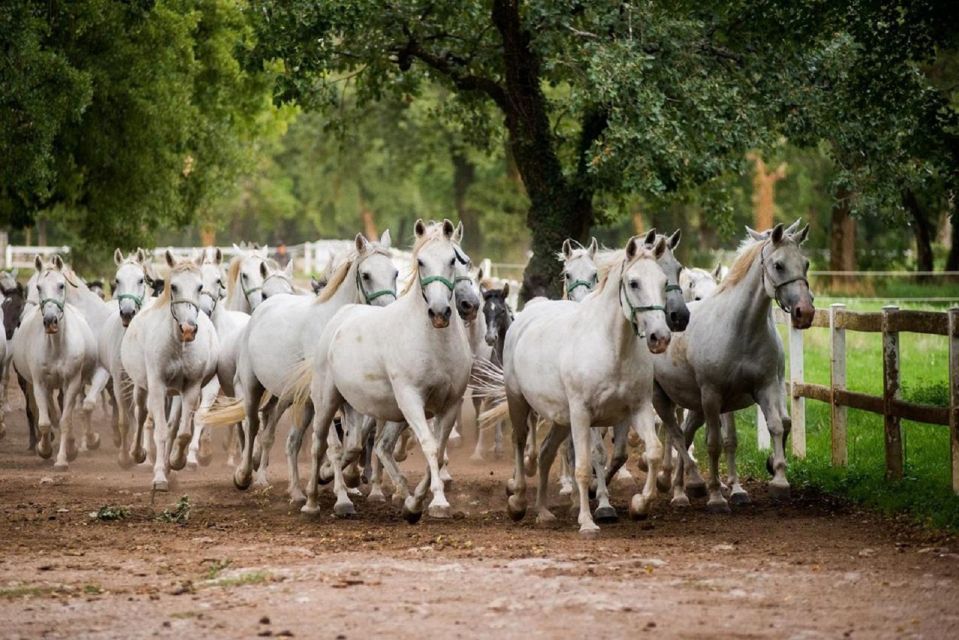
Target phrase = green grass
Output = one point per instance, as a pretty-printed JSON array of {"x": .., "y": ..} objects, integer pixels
[
  {"x": 251, "y": 577},
  {"x": 925, "y": 492}
]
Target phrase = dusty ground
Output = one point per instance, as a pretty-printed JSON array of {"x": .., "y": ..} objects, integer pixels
[{"x": 247, "y": 564}]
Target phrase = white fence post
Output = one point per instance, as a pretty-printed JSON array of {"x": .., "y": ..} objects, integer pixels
[
  {"x": 837, "y": 381},
  {"x": 797, "y": 404},
  {"x": 308, "y": 257},
  {"x": 954, "y": 395},
  {"x": 762, "y": 431}
]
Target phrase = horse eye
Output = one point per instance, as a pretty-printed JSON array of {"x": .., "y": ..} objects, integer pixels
[
  {"x": 199, "y": 288},
  {"x": 141, "y": 281},
  {"x": 174, "y": 288},
  {"x": 243, "y": 276},
  {"x": 634, "y": 285},
  {"x": 61, "y": 286},
  {"x": 452, "y": 262},
  {"x": 219, "y": 283},
  {"x": 779, "y": 266},
  {"x": 366, "y": 276},
  {"x": 419, "y": 262}
]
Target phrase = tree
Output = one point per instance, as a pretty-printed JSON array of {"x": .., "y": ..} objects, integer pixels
[{"x": 123, "y": 118}]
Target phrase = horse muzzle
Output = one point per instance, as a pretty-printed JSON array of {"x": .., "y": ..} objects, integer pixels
[
  {"x": 126, "y": 317},
  {"x": 490, "y": 338},
  {"x": 802, "y": 315},
  {"x": 677, "y": 314},
  {"x": 51, "y": 325},
  {"x": 658, "y": 341},
  {"x": 441, "y": 320},
  {"x": 187, "y": 332},
  {"x": 467, "y": 310}
]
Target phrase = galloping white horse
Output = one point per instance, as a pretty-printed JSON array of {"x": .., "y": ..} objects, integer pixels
[
  {"x": 588, "y": 364},
  {"x": 245, "y": 276},
  {"x": 170, "y": 348},
  {"x": 423, "y": 375},
  {"x": 54, "y": 350},
  {"x": 731, "y": 356},
  {"x": 278, "y": 337},
  {"x": 580, "y": 274},
  {"x": 698, "y": 284},
  {"x": 132, "y": 293}
]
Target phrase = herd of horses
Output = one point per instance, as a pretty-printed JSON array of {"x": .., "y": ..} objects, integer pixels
[{"x": 367, "y": 354}]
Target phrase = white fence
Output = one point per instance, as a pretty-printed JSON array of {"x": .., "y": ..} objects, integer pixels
[{"x": 21, "y": 257}]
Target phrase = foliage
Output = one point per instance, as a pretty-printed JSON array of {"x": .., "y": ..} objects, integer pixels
[
  {"x": 179, "y": 513},
  {"x": 110, "y": 513},
  {"x": 124, "y": 117}
]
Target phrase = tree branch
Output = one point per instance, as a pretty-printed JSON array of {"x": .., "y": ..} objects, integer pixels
[{"x": 466, "y": 82}]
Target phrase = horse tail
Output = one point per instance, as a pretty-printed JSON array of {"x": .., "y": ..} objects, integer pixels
[
  {"x": 225, "y": 412},
  {"x": 297, "y": 388},
  {"x": 487, "y": 382},
  {"x": 489, "y": 418}
]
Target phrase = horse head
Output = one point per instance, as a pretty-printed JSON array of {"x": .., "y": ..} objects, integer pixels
[
  {"x": 435, "y": 269},
  {"x": 496, "y": 310},
  {"x": 580, "y": 274},
  {"x": 642, "y": 292},
  {"x": 130, "y": 283},
  {"x": 677, "y": 315},
  {"x": 51, "y": 285},
  {"x": 784, "y": 268},
  {"x": 183, "y": 286}
]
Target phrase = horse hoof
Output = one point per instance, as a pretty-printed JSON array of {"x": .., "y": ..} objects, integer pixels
[
  {"x": 588, "y": 530},
  {"x": 376, "y": 496},
  {"x": 411, "y": 517},
  {"x": 192, "y": 465},
  {"x": 352, "y": 478},
  {"x": 516, "y": 508},
  {"x": 663, "y": 482},
  {"x": 739, "y": 498},
  {"x": 297, "y": 501},
  {"x": 139, "y": 456},
  {"x": 309, "y": 509},
  {"x": 696, "y": 490},
  {"x": 718, "y": 506},
  {"x": 242, "y": 480},
  {"x": 545, "y": 517},
  {"x": 44, "y": 452},
  {"x": 177, "y": 463},
  {"x": 161, "y": 485},
  {"x": 566, "y": 491},
  {"x": 344, "y": 509},
  {"x": 638, "y": 507},
  {"x": 779, "y": 491},
  {"x": 680, "y": 502},
  {"x": 398, "y": 500},
  {"x": 125, "y": 462},
  {"x": 605, "y": 515},
  {"x": 72, "y": 449},
  {"x": 61, "y": 466},
  {"x": 440, "y": 511},
  {"x": 324, "y": 479},
  {"x": 93, "y": 442}
]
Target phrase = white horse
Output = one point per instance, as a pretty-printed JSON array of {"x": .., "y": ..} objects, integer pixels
[
  {"x": 580, "y": 274},
  {"x": 731, "y": 356},
  {"x": 54, "y": 350},
  {"x": 698, "y": 284},
  {"x": 132, "y": 293},
  {"x": 275, "y": 342},
  {"x": 170, "y": 348},
  {"x": 245, "y": 276},
  {"x": 423, "y": 375}
]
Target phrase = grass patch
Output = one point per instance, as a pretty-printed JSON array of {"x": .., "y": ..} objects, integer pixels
[
  {"x": 216, "y": 567},
  {"x": 925, "y": 491},
  {"x": 178, "y": 514},
  {"x": 110, "y": 514},
  {"x": 28, "y": 591},
  {"x": 251, "y": 577}
]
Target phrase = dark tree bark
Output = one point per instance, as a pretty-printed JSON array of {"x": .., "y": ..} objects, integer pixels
[
  {"x": 842, "y": 238},
  {"x": 922, "y": 228},
  {"x": 464, "y": 175},
  {"x": 952, "y": 262}
]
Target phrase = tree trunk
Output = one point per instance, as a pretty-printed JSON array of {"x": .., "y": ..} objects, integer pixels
[
  {"x": 952, "y": 262},
  {"x": 842, "y": 238},
  {"x": 923, "y": 231},
  {"x": 464, "y": 175},
  {"x": 558, "y": 210}
]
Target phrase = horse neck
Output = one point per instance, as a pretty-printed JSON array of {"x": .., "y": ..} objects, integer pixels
[
  {"x": 347, "y": 292},
  {"x": 748, "y": 300},
  {"x": 607, "y": 310}
]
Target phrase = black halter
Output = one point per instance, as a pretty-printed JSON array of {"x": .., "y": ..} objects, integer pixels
[{"x": 777, "y": 287}]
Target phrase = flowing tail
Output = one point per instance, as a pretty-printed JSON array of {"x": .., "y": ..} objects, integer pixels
[
  {"x": 298, "y": 386},
  {"x": 226, "y": 412},
  {"x": 487, "y": 384}
]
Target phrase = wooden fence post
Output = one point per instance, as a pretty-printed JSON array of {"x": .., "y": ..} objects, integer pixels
[
  {"x": 4, "y": 243},
  {"x": 798, "y": 404},
  {"x": 891, "y": 391},
  {"x": 954, "y": 394},
  {"x": 837, "y": 381}
]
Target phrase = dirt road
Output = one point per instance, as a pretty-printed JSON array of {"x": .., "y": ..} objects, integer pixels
[{"x": 247, "y": 564}]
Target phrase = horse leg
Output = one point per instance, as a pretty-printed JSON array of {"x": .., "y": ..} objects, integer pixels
[
  {"x": 139, "y": 453},
  {"x": 411, "y": 405},
  {"x": 243, "y": 474},
  {"x": 367, "y": 475},
  {"x": 445, "y": 424},
  {"x": 294, "y": 440},
  {"x": 123, "y": 412},
  {"x": 668, "y": 412},
  {"x": 519, "y": 412},
  {"x": 189, "y": 400},
  {"x": 261, "y": 448},
  {"x": 480, "y": 449},
  {"x": 91, "y": 439},
  {"x": 620, "y": 455},
  {"x": 565, "y": 469},
  {"x": 498, "y": 439},
  {"x": 376, "y": 466},
  {"x": 326, "y": 400},
  {"x": 712, "y": 402},
  {"x": 156, "y": 402},
  {"x": 384, "y": 448},
  {"x": 547, "y": 453},
  {"x": 30, "y": 403},
  {"x": 737, "y": 495},
  {"x": 644, "y": 423},
  {"x": 198, "y": 453},
  {"x": 68, "y": 442},
  {"x": 115, "y": 409},
  {"x": 44, "y": 425},
  {"x": 359, "y": 428},
  {"x": 580, "y": 435},
  {"x": 532, "y": 451},
  {"x": 604, "y": 510},
  {"x": 770, "y": 401}
]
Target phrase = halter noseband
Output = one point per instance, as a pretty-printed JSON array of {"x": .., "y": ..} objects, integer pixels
[
  {"x": 777, "y": 287},
  {"x": 634, "y": 310},
  {"x": 54, "y": 301},
  {"x": 370, "y": 297},
  {"x": 575, "y": 284},
  {"x": 137, "y": 300}
]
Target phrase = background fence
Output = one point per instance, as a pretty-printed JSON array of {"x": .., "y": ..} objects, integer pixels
[{"x": 890, "y": 322}]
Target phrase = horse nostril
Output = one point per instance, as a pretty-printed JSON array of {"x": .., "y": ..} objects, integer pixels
[{"x": 447, "y": 313}]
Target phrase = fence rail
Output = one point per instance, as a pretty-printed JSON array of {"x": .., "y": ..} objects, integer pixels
[{"x": 889, "y": 322}]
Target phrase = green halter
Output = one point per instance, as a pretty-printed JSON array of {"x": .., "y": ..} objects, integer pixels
[
  {"x": 431, "y": 279},
  {"x": 137, "y": 300},
  {"x": 575, "y": 284},
  {"x": 634, "y": 310},
  {"x": 370, "y": 297},
  {"x": 673, "y": 287},
  {"x": 54, "y": 301}
]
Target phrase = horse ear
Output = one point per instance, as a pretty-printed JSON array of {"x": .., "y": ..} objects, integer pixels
[
  {"x": 198, "y": 258},
  {"x": 288, "y": 270},
  {"x": 632, "y": 248},
  {"x": 479, "y": 277},
  {"x": 659, "y": 248},
  {"x": 567, "y": 248},
  {"x": 264, "y": 271},
  {"x": 675, "y": 238},
  {"x": 448, "y": 229},
  {"x": 718, "y": 271},
  {"x": 505, "y": 289},
  {"x": 419, "y": 228},
  {"x": 385, "y": 240},
  {"x": 801, "y": 236},
  {"x": 237, "y": 248},
  {"x": 458, "y": 233},
  {"x": 170, "y": 260},
  {"x": 141, "y": 255},
  {"x": 593, "y": 248},
  {"x": 362, "y": 244},
  {"x": 650, "y": 238},
  {"x": 778, "y": 231},
  {"x": 791, "y": 229},
  {"x": 117, "y": 257},
  {"x": 38, "y": 263},
  {"x": 755, "y": 235},
  {"x": 217, "y": 256},
  {"x": 58, "y": 262}
]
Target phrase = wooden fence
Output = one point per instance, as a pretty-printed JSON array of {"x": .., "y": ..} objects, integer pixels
[{"x": 890, "y": 322}]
